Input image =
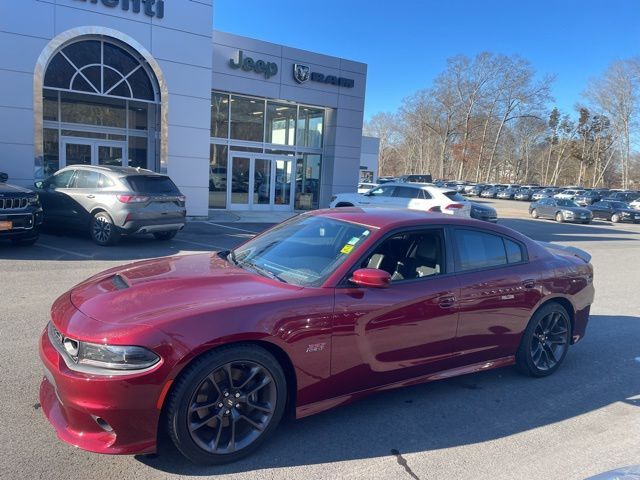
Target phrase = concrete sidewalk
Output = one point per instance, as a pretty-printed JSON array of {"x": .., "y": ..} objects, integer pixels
[{"x": 227, "y": 216}]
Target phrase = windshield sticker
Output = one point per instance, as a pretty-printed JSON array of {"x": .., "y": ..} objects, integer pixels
[
  {"x": 365, "y": 233},
  {"x": 353, "y": 241},
  {"x": 346, "y": 249}
]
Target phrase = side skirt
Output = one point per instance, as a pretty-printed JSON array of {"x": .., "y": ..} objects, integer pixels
[{"x": 317, "y": 407}]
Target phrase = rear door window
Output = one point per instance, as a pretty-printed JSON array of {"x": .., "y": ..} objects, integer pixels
[
  {"x": 477, "y": 250},
  {"x": 152, "y": 184},
  {"x": 87, "y": 179},
  {"x": 406, "y": 192}
]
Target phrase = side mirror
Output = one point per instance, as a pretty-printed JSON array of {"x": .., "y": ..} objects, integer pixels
[
  {"x": 39, "y": 185},
  {"x": 371, "y": 277},
  {"x": 3, "y": 177}
]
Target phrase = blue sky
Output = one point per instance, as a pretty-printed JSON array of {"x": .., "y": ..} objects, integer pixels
[{"x": 405, "y": 43}]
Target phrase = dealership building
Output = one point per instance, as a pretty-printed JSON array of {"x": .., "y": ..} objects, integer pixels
[{"x": 237, "y": 123}]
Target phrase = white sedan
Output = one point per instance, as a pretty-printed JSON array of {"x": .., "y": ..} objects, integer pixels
[
  {"x": 569, "y": 194},
  {"x": 365, "y": 187},
  {"x": 414, "y": 196}
]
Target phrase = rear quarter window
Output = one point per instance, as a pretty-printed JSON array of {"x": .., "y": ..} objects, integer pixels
[
  {"x": 455, "y": 196},
  {"x": 152, "y": 184}
]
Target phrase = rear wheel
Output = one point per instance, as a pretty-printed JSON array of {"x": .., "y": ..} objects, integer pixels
[
  {"x": 103, "y": 231},
  {"x": 545, "y": 341},
  {"x": 559, "y": 217},
  {"x": 615, "y": 218},
  {"x": 226, "y": 404},
  {"x": 163, "y": 236},
  {"x": 534, "y": 213}
]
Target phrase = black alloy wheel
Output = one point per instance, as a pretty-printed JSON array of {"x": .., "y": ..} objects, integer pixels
[
  {"x": 226, "y": 404},
  {"x": 545, "y": 342},
  {"x": 102, "y": 230}
]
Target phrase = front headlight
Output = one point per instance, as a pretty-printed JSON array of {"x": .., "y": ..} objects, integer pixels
[
  {"x": 568, "y": 213},
  {"x": 115, "y": 357},
  {"x": 101, "y": 359},
  {"x": 34, "y": 200}
]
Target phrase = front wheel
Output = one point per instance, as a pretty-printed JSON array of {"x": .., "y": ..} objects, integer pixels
[
  {"x": 103, "y": 231},
  {"x": 545, "y": 341},
  {"x": 534, "y": 213},
  {"x": 559, "y": 217},
  {"x": 164, "y": 236},
  {"x": 226, "y": 404},
  {"x": 615, "y": 218}
]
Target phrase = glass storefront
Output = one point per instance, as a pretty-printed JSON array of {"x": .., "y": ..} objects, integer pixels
[
  {"x": 99, "y": 108},
  {"x": 265, "y": 154}
]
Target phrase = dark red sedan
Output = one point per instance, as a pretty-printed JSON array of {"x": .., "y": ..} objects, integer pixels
[{"x": 319, "y": 311}]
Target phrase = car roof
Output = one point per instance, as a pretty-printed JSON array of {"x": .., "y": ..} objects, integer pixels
[{"x": 111, "y": 169}]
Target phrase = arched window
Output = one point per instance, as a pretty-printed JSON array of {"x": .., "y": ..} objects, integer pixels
[
  {"x": 99, "y": 67},
  {"x": 101, "y": 106}
]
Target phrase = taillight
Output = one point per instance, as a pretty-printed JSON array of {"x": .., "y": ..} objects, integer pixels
[
  {"x": 132, "y": 198},
  {"x": 435, "y": 209},
  {"x": 454, "y": 206}
]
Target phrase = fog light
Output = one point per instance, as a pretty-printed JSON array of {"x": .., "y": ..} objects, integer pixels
[{"x": 103, "y": 424}]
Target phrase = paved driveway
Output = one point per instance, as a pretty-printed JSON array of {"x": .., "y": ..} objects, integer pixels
[{"x": 583, "y": 420}]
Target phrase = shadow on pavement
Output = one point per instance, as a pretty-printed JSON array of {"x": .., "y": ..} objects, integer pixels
[{"x": 459, "y": 411}]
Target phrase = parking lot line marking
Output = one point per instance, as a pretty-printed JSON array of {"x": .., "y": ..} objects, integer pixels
[
  {"x": 208, "y": 245},
  {"x": 62, "y": 250},
  {"x": 231, "y": 228}
]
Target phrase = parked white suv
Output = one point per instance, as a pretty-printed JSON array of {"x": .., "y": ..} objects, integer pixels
[
  {"x": 569, "y": 194},
  {"x": 415, "y": 196},
  {"x": 635, "y": 204}
]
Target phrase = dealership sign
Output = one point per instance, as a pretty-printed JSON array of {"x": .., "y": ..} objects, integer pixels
[
  {"x": 151, "y": 8},
  {"x": 302, "y": 73},
  {"x": 248, "y": 64}
]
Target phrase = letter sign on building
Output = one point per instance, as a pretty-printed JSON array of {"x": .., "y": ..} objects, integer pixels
[
  {"x": 151, "y": 8},
  {"x": 268, "y": 69},
  {"x": 302, "y": 73}
]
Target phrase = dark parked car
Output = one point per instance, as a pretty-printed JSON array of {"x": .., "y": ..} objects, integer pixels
[
  {"x": 588, "y": 198},
  {"x": 490, "y": 192},
  {"x": 480, "y": 211},
  {"x": 476, "y": 190},
  {"x": 507, "y": 193},
  {"x": 560, "y": 209},
  {"x": 625, "y": 196},
  {"x": 20, "y": 213},
  {"x": 544, "y": 193},
  {"x": 415, "y": 178},
  {"x": 524, "y": 194},
  {"x": 326, "y": 308},
  {"x": 110, "y": 201},
  {"x": 614, "y": 211}
]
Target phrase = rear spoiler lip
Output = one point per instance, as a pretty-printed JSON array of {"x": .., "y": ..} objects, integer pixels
[{"x": 576, "y": 252}]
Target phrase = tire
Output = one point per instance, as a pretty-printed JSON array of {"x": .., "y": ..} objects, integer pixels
[
  {"x": 103, "y": 231},
  {"x": 534, "y": 213},
  {"x": 25, "y": 242},
  {"x": 615, "y": 218},
  {"x": 208, "y": 377},
  {"x": 164, "y": 236},
  {"x": 540, "y": 358},
  {"x": 559, "y": 217},
  {"x": 342, "y": 204}
]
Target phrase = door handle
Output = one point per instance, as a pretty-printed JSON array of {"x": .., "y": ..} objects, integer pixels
[
  {"x": 529, "y": 283},
  {"x": 91, "y": 196},
  {"x": 446, "y": 302}
]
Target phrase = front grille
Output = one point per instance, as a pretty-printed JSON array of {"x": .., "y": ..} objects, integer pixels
[{"x": 13, "y": 203}]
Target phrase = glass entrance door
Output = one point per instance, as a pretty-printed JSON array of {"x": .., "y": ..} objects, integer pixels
[
  {"x": 80, "y": 151},
  {"x": 259, "y": 182}
]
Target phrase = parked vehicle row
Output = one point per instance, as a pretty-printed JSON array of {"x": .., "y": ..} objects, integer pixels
[{"x": 104, "y": 201}]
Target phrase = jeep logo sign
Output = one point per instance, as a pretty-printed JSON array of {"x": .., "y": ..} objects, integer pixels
[
  {"x": 248, "y": 64},
  {"x": 152, "y": 8}
]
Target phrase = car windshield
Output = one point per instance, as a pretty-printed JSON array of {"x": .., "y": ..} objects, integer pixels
[
  {"x": 304, "y": 251},
  {"x": 566, "y": 203}
]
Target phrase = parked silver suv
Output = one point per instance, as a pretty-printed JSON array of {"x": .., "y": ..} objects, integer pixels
[{"x": 111, "y": 201}]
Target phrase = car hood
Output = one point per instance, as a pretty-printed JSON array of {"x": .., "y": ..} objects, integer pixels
[
  {"x": 154, "y": 290},
  {"x": 10, "y": 190}
]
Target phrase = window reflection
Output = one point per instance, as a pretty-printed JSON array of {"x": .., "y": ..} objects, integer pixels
[
  {"x": 100, "y": 111},
  {"x": 310, "y": 127},
  {"x": 247, "y": 119},
  {"x": 218, "y": 176},
  {"x": 281, "y": 121},
  {"x": 308, "y": 169},
  {"x": 220, "y": 115}
]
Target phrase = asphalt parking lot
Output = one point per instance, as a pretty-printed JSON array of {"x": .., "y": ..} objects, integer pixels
[{"x": 582, "y": 421}]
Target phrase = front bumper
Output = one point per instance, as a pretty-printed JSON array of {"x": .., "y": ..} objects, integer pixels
[
  {"x": 25, "y": 224},
  {"x": 75, "y": 403}
]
